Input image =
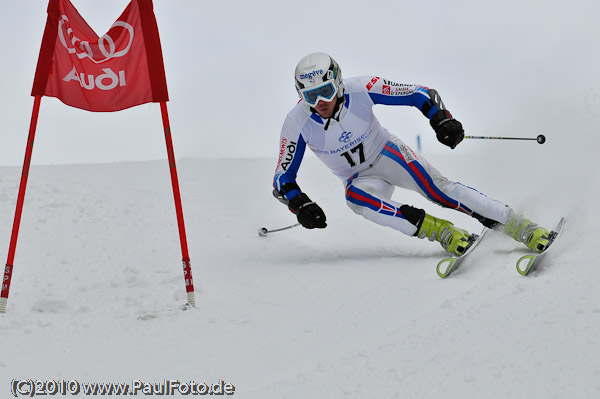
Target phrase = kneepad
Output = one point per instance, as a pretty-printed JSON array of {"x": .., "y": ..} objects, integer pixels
[
  {"x": 413, "y": 215},
  {"x": 489, "y": 223}
]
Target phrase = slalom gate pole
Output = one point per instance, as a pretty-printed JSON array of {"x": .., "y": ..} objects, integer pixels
[
  {"x": 20, "y": 199},
  {"x": 187, "y": 268}
]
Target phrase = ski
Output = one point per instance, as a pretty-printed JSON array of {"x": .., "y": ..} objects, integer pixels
[
  {"x": 451, "y": 263},
  {"x": 526, "y": 264}
]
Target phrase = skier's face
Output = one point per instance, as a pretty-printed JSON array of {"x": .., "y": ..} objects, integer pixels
[{"x": 326, "y": 109}]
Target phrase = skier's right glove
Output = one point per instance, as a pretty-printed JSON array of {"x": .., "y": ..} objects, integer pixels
[
  {"x": 309, "y": 214},
  {"x": 448, "y": 130}
]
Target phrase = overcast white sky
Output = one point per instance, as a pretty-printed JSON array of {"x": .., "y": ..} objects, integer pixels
[{"x": 517, "y": 67}]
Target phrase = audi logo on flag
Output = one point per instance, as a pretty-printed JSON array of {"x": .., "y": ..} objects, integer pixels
[
  {"x": 86, "y": 70},
  {"x": 106, "y": 44}
]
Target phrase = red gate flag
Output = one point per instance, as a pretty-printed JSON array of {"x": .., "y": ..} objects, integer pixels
[{"x": 121, "y": 69}]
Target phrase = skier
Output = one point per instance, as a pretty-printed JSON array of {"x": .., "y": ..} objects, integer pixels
[{"x": 334, "y": 118}]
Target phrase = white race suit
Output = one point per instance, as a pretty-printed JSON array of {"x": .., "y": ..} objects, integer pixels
[{"x": 370, "y": 160}]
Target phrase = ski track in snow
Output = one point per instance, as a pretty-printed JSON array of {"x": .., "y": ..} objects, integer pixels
[{"x": 354, "y": 310}]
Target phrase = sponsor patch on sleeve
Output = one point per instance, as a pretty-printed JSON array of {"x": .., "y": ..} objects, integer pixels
[{"x": 372, "y": 83}]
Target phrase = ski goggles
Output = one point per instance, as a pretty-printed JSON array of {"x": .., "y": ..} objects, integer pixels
[{"x": 312, "y": 95}]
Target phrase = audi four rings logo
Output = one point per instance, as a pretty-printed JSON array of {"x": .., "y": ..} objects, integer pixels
[{"x": 82, "y": 48}]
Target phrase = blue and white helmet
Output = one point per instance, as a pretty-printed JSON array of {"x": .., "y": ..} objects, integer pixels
[{"x": 318, "y": 78}]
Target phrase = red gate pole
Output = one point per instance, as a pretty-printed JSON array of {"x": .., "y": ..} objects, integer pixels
[
  {"x": 187, "y": 268},
  {"x": 20, "y": 199}
]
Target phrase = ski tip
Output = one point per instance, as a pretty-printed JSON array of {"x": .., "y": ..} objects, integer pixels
[
  {"x": 524, "y": 264},
  {"x": 445, "y": 266}
]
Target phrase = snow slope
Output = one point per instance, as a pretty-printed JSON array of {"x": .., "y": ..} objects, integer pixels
[{"x": 355, "y": 310}]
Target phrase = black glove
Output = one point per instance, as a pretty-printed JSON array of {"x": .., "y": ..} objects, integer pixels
[
  {"x": 448, "y": 130},
  {"x": 309, "y": 214}
]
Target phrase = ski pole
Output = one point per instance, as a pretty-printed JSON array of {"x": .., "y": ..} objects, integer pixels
[
  {"x": 263, "y": 231},
  {"x": 540, "y": 139}
]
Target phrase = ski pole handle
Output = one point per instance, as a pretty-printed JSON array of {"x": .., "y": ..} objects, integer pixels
[{"x": 540, "y": 139}]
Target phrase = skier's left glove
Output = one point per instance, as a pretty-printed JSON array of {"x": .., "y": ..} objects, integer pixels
[
  {"x": 448, "y": 130},
  {"x": 309, "y": 214}
]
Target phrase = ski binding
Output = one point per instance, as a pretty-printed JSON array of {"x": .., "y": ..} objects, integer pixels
[
  {"x": 528, "y": 263},
  {"x": 451, "y": 263}
]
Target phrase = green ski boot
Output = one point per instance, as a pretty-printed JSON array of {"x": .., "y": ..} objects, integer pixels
[
  {"x": 453, "y": 240},
  {"x": 524, "y": 230}
]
